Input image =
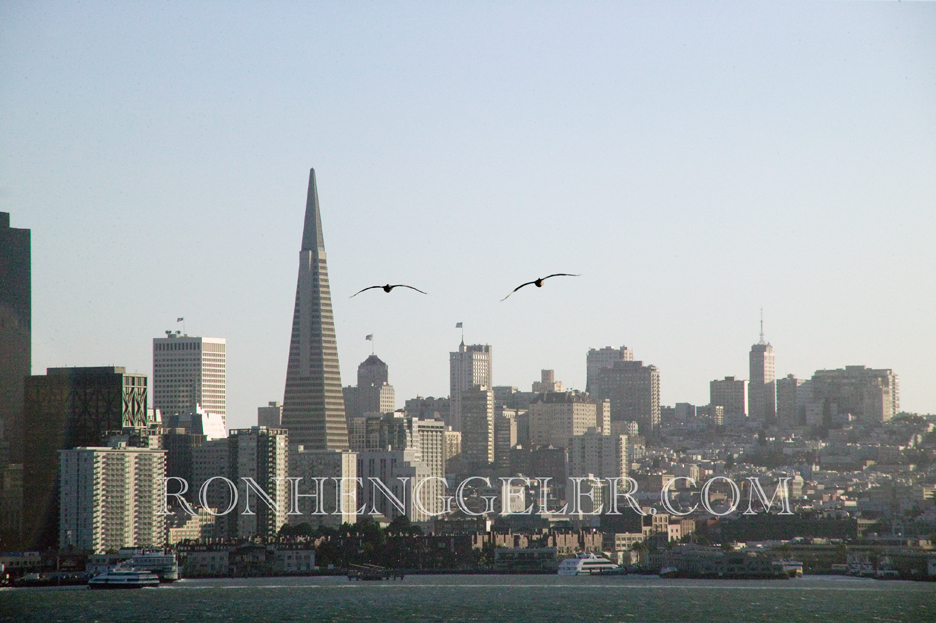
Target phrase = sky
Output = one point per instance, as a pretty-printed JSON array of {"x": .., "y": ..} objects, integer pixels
[{"x": 693, "y": 162}]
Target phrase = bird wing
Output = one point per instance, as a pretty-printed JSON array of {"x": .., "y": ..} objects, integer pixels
[
  {"x": 517, "y": 288},
  {"x": 364, "y": 290},
  {"x": 561, "y": 275},
  {"x": 403, "y": 285}
]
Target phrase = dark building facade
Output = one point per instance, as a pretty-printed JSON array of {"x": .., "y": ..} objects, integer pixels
[
  {"x": 313, "y": 404},
  {"x": 634, "y": 392},
  {"x": 70, "y": 408},
  {"x": 15, "y": 331}
]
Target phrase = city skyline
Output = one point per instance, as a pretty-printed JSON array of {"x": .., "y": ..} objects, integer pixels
[{"x": 693, "y": 166}]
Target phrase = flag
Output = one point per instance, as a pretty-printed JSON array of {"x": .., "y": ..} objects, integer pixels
[
  {"x": 458, "y": 325},
  {"x": 179, "y": 319},
  {"x": 369, "y": 338}
]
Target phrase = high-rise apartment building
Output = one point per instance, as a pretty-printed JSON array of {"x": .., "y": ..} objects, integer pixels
[
  {"x": 598, "y": 455},
  {"x": 69, "y": 408},
  {"x": 332, "y": 501},
  {"x": 111, "y": 498},
  {"x": 792, "y": 400},
  {"x": 634, "y": 392},
  {"x": 15, "y": 331},
  {"x": 762, "y": 390},
  {"x": 469, "y": 367},
  {"x": 601, "y": 358},
  {"x": 189, "y": 372},
  {"x": 872, "y": 396},
  {"x": 261, "y": 454},
  {"x": 731, "y": 394},
  {"x": 313, "y": 406}
]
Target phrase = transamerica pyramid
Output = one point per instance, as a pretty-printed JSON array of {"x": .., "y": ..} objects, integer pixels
[{"x": 313, "y": 405}]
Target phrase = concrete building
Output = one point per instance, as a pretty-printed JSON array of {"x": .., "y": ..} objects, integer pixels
[
  {"x": 469, "y": 367},
  {"x": 505, "y": 438},
  {"x": 15, "y": 331},
  {"x": 453, "y": 443},
  {"x": 601, "y": 358},
  {"x": 634, "y": 392},
  {"x": 111, "y": 498},
  {"x": 189, "y": 372},
  {"x": 477, "y": 418},
  {"x": 271, "y": 415},
  {"x": 598, "y": 455},
  {"x": 197, "y": 421},
  {"x": 792, "y": 400},
  {"x": 64, "y": 409},
  {"x": 870, "y": 395},
  {"x": 399, "y": 471},
  {"x": 313, "y": 406},
  {"x": 556, "y": 417},
  {"x": 731, "y": 394},
  {"x": 427, "y": 408}
]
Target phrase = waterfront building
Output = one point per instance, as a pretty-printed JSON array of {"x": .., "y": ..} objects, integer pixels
[
  {"x": 111, "y": 498},
  {"x": 313, "y": 406},
  {"x": 68, "y": 408}
]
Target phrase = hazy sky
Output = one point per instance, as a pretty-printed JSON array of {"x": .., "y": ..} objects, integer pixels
[{"x": 693, "y": 161}]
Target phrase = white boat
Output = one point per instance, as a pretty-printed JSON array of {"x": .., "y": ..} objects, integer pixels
[
  {"x": 164, "y": 566},
  {"x": 123, "y": 578},
  {"x": 586, "y": 564}
]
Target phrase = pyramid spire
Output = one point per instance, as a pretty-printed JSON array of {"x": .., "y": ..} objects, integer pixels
[{"x": 313, "y": 404}]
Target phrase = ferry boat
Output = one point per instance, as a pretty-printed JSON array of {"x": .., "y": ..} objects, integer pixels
[
  {"x": 123, "y": 578},
  {"x": 793, "y": 568},
  {"x": 164, "y": 566},
  {"x": 586, "y": 564}
]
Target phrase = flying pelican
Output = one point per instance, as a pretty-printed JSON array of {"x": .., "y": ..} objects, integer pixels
[
  {"x": 538, "y": 282},
  {"x": 387, "y": 288}
]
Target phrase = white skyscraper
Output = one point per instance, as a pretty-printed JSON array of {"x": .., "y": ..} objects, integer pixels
[
  {"x": 111, "y": 498},
  {"x": 187, "y": 372}
]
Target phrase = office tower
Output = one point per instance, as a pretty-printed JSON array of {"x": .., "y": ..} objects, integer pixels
[
  {"x": 15, "y": 331},
  {"x": 189, "y": 372},
  {"x": 556, "y": 416},
  {"x": 111, "y": 498},
  {"x": 469, "y": 367},
  {"x": 427, "y": 408},
  {"x": 197, "y": 421},
  {"x": 453, "y": 439},
  {"x": 373, "y": 393},
  {"x": 477, "y": 417},
  {"x": 313, "y": 406},
  {"x": 731, "y": 394},
  {"x": 68, "y": 408},
  {"x": 634, "y": 392},
  {"x": 870, "y": 395},
  {"x": 762, "y": 391},
  {"x": 547, "y": 383},
  {"x": 270, "y": 416},
  {"x": 601, "y": 358},
  {"x": 335, "y": 500},
  {"x": 261, "y": 454}
]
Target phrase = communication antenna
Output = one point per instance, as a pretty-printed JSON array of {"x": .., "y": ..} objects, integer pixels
[{"x": 762, "y": 326}]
